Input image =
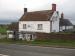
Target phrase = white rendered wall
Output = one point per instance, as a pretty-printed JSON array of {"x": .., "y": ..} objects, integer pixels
[
  {"x": 34, "y": 26},
  {"x": 55, "y": 22},
  {"x": 67, "y": 27},
  {"x": 55, "y": 26}
]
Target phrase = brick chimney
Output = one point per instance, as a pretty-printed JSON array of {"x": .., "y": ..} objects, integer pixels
[
  {"x": 62, "y": 15},
  {"x": 25, "y": 10},
  {"x": 53, "y": 7}
]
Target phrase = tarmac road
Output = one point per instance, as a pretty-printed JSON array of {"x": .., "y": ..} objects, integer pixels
[{"x": 24, "y": 50}]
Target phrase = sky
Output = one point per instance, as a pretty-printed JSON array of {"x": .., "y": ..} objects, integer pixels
[{"x": 12, "y": 10}]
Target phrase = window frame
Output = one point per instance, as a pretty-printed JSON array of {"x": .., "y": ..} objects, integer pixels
[
  {"x": 24, "y": 26},
  {"x": 40, "y": 27}
]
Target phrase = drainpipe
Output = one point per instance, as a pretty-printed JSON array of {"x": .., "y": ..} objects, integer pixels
[
  {"x": 65, "y": 27},
  {"x": 50, "y": 26}
]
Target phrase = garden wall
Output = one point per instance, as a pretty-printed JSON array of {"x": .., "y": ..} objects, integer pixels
[{"x": 42, "y": 36}]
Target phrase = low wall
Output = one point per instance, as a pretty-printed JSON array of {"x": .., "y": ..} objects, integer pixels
[{"x": 42, "y": 36}]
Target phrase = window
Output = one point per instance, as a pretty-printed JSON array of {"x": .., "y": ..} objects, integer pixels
[
  {"x": 40, "y": 26},
  {"x": 24, "y": 26}
]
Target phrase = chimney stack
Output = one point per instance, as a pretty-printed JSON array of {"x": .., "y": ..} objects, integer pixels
[
  {"x": 53, "y": 7},
  {"x": 25, "y": 10},
  {"x": 62, "y": 15}
]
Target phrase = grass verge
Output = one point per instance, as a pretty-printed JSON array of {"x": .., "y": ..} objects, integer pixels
[
  {"x": 51, "y": 42},
  {"x": 54, "y": 42}
]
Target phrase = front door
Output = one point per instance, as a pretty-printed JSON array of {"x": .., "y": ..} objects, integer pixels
[{"x": 29, "y": 37}]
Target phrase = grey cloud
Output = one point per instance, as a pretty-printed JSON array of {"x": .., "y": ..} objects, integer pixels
[{"x": 13, "y": 12}]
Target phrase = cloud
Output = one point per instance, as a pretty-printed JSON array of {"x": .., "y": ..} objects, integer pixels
[
  {"x": 14, "y": 8},
  {"x": 10, "y": 9}
]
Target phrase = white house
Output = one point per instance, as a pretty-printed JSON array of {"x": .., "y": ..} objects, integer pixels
[
  {"x": 65, "y": 24},
  {"x": 45, "y": 21}
]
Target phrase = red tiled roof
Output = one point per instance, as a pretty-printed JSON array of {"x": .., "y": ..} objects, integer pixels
[{"x": 37, "y": 16}]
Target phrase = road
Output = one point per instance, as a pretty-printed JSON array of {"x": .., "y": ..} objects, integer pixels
[{"x": 23, "y": 50}]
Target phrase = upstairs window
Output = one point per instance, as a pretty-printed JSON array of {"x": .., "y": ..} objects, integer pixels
[
  {"x": 24, "y": 26},
  {"x": 40, "y": 26}
]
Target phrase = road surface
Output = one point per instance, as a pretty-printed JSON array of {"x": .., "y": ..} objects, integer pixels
[{"x": 23, "y": 50}]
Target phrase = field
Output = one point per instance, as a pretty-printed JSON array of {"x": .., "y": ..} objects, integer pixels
[{"x": 3, "y": 29}]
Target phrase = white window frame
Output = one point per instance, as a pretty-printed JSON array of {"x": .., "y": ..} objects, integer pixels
[
  {"x": 24, "y": 26},
  {"x": 40, "y": 27}
]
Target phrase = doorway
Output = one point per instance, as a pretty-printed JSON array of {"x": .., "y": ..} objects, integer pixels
[{"x": 29, "y": 37}]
